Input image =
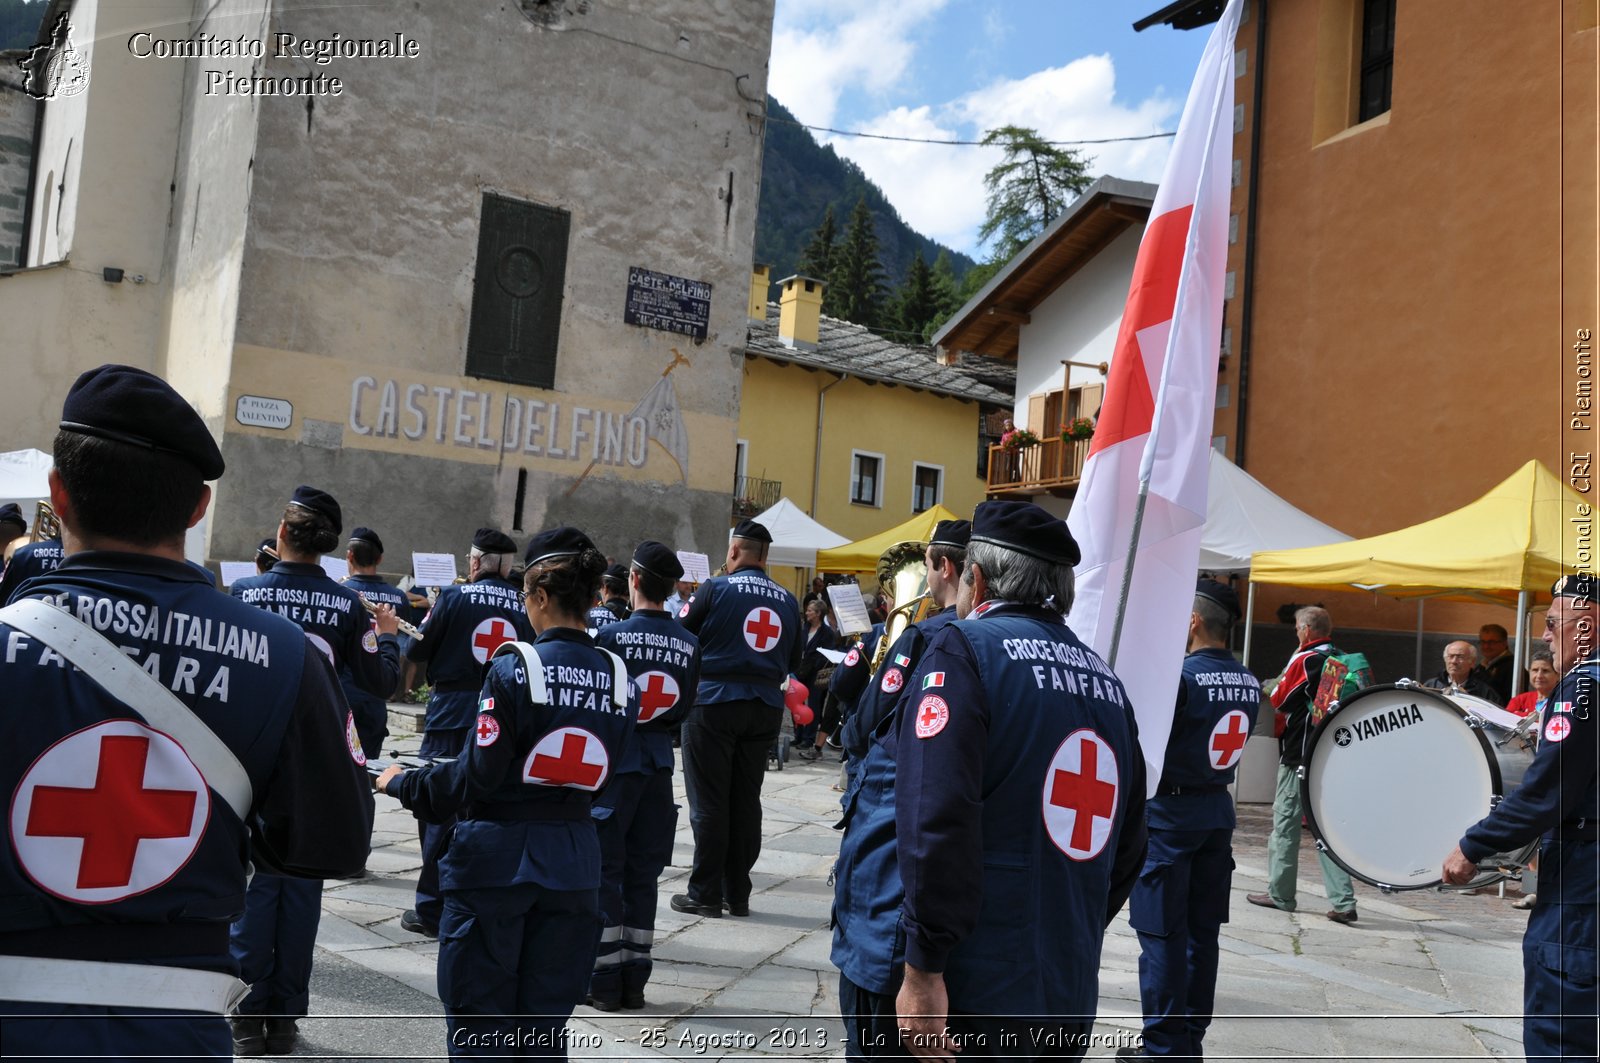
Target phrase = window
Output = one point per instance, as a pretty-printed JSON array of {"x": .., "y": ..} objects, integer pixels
[
  {"x": 516, "y": 293},
  {"x": 741, "y": 459},
  {"x": 927, "y": 487},
  {"x": 1377, "y": 58},
  {"x": 866, "y": 478}
]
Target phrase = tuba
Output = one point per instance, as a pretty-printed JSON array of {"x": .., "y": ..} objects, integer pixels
[
  {"x": 903, "y": 569},
  {"x": 46, "y": 525}
]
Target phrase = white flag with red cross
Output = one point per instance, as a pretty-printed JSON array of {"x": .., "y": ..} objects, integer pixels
[{"x": 1155, "y": 423}]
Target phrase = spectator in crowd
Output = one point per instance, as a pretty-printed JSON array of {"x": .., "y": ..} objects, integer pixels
[
  {"x": 1458, "y": 676},
  {"x": 1495, "y": 664},
  {"x": 1542, "y": 677},
  {"x": 818, "y": 637}
]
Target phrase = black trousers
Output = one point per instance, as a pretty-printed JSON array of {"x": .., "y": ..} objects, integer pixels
[{"x": 724, "y": 761}]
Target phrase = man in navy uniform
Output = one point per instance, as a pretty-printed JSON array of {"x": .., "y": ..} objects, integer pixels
[
  {"x": 266, "y": 554},
  {"x": 1559, "y": 803},
  {"x": 867, "y": 947},
  {"x": 749, "y": 629},
  {"x": 27, "y": 561},
  {"x": 463, "y": 629},
  {"x": 1181, "y": 899},
  {"x": 613, "y": 598},
  {"x": 13, "y": 525},
  {"x": 364, "y": 554},
  {"x": 142, "y": 810},
  {"x": 275, "y": 940},
  {"x": 635, "y": 813},
  {"x": 1019, "y": 806},
  {"x": 944, "y": 556}
]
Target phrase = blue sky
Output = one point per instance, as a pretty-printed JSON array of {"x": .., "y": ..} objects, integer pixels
[{"x": 954, "y": 68}]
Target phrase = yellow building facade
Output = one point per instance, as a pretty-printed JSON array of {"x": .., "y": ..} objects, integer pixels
[{"x": 859, "y": 432}]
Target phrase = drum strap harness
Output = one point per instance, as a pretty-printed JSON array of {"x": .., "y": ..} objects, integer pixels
[{"x": 45, "y": 980}]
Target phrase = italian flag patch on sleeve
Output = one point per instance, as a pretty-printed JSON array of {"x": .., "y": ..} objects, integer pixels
[{"x": 932, "y": 679}]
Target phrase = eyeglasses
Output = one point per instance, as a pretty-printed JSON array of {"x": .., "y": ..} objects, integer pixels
[{"x": 1551, "y": 623}]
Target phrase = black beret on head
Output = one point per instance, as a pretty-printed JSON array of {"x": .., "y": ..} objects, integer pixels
[
  {"x": 1220, "y": 593},
  {"x": 316, "y": 501},
  {"x": 1026, "y": 528},
  {"x": 755, "y": 532},
  {"x": 129, "y": 405},
  {"x": 617, "y": 573},
  {"x": 1584, "y": 586},
  {"x": 11, "y": 513},
  {"x": 952, "y": 533},
  {"x": 368, "y": 536},
  {"x": 493, "y": 541},
  {"x": 564, "y": 541},
  {"x": 268, "y": 545},
  {"x": 658, "y": 560}
]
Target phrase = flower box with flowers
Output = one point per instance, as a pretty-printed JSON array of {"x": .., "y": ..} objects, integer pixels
[
  {"x": 1076, "y": 429},
  {"x": 1018, "y": 438}
]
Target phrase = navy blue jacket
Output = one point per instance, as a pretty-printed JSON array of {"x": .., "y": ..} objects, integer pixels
[
  {"x": 332, "y": 617},
  {"x": 750, "y": 637},
  {"x": 608, "y": 612},
  {"x": 888, "y": 688},
  {"x": 522, "y": 786},
  {"x": 251, "y": 677},
  {"x": 1019, "y": 812},
  {"x": 466, "y": 625},
  {"x": 851, "y": 676},
  {"x": 1218, "y": 700},
  {"x": 377, "y": 592},
  {"x": 1558, "y": 795},
  {"x": 27, "y": 561},
  {"x": 664, "y": 661}
]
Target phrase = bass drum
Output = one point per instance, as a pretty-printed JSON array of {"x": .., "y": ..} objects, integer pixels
[{"x": 1396, "y": 774}]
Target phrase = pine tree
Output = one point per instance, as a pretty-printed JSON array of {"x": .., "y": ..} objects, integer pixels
[
  {"x": 916, "y": 304},
  {"x": 946, "y": 290},
  {"x": 1028, "y": 189},
  {"x": 855, "y": 285},
  {"x": 817, "y": 258}
]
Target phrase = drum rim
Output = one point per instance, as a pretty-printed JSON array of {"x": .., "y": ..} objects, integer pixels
[{"x": 1496, "y": 781}]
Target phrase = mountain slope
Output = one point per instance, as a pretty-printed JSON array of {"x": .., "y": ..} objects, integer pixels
[{"x": 800, "y": 178}]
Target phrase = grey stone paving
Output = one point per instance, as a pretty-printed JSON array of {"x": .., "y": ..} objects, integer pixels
[{"x": 1420, "y": 976}]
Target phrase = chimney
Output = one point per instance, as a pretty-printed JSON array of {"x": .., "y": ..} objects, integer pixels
[
  {"x": 760, "y": 282},
  {"x": 800, "y": 312}
]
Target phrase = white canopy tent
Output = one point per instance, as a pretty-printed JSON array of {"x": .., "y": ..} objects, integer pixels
[
  {"x": 796, "y": 538},
  {"x": 23, "y": 478},
  {"x": 1243, "y": 516}
]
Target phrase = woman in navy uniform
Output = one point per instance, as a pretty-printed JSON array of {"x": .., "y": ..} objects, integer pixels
[
  {"x": 277, "y": 936},
  {"x": 461, "y": 632},
  {"x": 1181, "y": 899},
  {"x": 1019, "y": 806},
  {"x": 521, "y": 871},
  {"x": 613, "y": 605},
  {"x": 144, "y": 929},
  {"x": 1559, "y": 803},
  {"x": 636, "y": 815}
]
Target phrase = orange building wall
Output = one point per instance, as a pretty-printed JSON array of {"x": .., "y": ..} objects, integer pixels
[{"x": 1419, "y": 277}]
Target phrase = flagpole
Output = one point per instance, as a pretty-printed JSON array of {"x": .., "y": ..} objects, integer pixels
[
  {"x": 677, "y": 360},
  {"x": 1147, "y": 460}
]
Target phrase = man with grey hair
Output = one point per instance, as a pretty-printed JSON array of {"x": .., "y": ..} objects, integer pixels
[
  {"x": 1459, "y": 675},
  {"x": 1292, "y": 697},
  {"x": 1019, "y": 806},
  {"x": 459, "y": 635}
]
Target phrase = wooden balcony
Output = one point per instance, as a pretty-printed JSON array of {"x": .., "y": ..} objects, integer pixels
[
  {"x": 1053, "y": 467},
  {"x": 752, "y": 495}
]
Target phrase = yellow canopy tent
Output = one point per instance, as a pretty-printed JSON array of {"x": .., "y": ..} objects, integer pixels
[
  {"x": 862, "y": 556},
  {"x": 1508, "y": 546}
]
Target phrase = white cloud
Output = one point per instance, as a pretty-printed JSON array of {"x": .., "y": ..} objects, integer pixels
[
  {"x": 939, "y": 190},
  {"x": 826, "y": 48}
]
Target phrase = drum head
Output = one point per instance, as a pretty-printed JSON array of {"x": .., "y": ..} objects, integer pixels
[{"x": 1393, "y": 779}]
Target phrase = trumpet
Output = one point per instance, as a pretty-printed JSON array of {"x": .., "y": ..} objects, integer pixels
[{"x": 405, "y": 628}]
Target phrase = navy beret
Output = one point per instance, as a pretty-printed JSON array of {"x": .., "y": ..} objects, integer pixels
[
  {"x": 1220, "y": 593},
  {"x": 1026, "y": 528},
  {"x": 320, "y": 502},
  {"x": 1581, "y": 585},
  {"x": 749, "y": 529},
  {"x": 368, "y": 536},
  {"x": 564, "y": 541},
  {"x": 658, "y": 560},
  {"x": 129, "y": 405},
  {"x": 269, "y": 546},
  {"x": 952, "y": 533},
  {"x": 616, "y": 574},
  {"x": 493, "y": 541},
  {"x": 11, "y": 513}
]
